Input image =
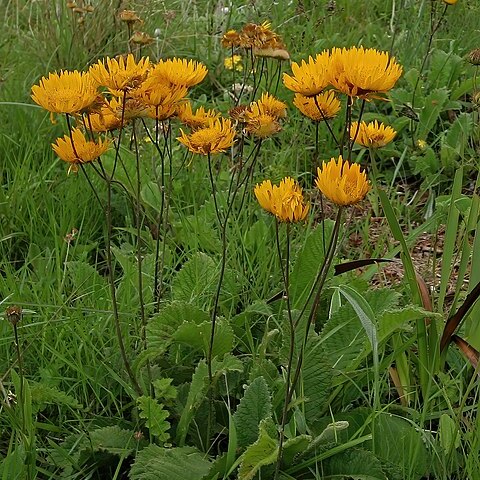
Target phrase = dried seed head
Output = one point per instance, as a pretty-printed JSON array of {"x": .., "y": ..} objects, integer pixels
[
  {"x": 13, "y": 314},
  {"x": 129, "y": 16},
  {"x": 141, "y": 38},
  {"x": 474, "y": 56}
]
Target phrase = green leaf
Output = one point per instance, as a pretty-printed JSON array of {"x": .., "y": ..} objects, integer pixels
[
  {"x": 196, "y": 396},
  {"x": 155, "y": 415},
  {"x": 162, "y": 327},
  {"x": 308, "y": 262},
  {"x": 455, "y": 141},
  {"x": 43, "y": 395},
  {"x": 355, "y": 464},
  {"x": 164, "y": 389},
  {"x": 317, "y": 375},
  {"x": 90, "y": 288},
  {"x": 434, "y": 105},
  {"x": 449, "y": 433},
  {"x": 156, "y": 463},
  {"x": 253, "y": 408},
  {"x": 263, "y": 452},
  {"x": 294, "y": 446},
  {"x": 198, "y": 336},
  {"x": 113, "y": 439}
]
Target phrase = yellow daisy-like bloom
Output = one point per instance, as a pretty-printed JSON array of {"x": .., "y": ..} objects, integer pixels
[
  {"x": 66, "y": 92},
  {"x": 319, "y": 107},
  {"x": 216, "y": 137},
  {"x": 162, "y": 112},
  {"x": 108, "y": 118},
  {"x": 200, "y": 119},
  {"x": 310, "y": 78},
  {"x": 233, "y": 63},
  {"x": 373, "y": 134},
  {"x": 363, "y": 73},
  {"x": 270, "y": 105},
  {"x": 285, "y": 201},
  {"x": 156, "y": 92},
  {"x": 179, "y": 72},
  {"x": 120, "y": 75},
  {"x": 450, "y": 2},
  {"x": 342, "y": 183},
  {"x": 231, "y": 39},
  {"x": 81, "y": 150},
  {"x": 261, "y": 125}
]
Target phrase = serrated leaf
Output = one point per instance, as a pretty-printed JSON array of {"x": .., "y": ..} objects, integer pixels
[
  {"x": 155, "y": 415},
  {"x": 161, "y": 327},
  {"x": 156, "y": 463},
  {"x": 198, "y": 336},
  {"x": 253, "y": 408},
  {"x": 355, "y": 464},
  {"x": 164, "y": 389},
  {"x": 89, "y": 287},
  {"x": 113, "y": 439},
  {"x": 394, "y": 320},
  {"x": 263, "y": 452},
  {"x": 43, "y": 395},
  {"x": 317, "y": 376}
]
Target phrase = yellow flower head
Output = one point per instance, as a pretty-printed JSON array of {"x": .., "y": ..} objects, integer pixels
[
  {"x": 319, "y": 107},
  {"x": 373, "y": 134},
  {"x": 269, "y": 105},
  {"x": 156, "y": 91},
  {"x": 122, "y": 74},
  {"x": 179, "y": 72},
  {"x": 421, "y": 144},
  {"x": 216, "y": 137},
  {"x": 363, "y": 73},
  {"x": 450, "y": 2},
  {"x": 310, "y": 78},
  {"x": 200, "y": 119},
  {"x": 81, "y": 150},
  {"x": 231, "y": 39},
  {"x": 342, "y": 183},
  {"x": 285, "y": 201},
  {"x": 261, "y": 125},
  {"x": 108, "y": 118},
  {"x": 66, "y": 92},
  {"x": 233, "y": 63}
]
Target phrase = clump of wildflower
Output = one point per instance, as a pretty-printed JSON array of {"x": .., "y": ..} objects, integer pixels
[
  {"x": 215, "y": 138},
  {"x": 76, "y": 149},
  {"x": 233, "y": 63},
  {"x": 285, "y": 201},
  {"x": 320, "y": 107},
  {"x": 371, "y": 135},
  {"x": 363, "y": 73},
  {"x": 66, "y": 92},
  {"x": 310, "y": 78},
  {"x": 342, "y": 183},
  {"x": 109, "y": 117}
]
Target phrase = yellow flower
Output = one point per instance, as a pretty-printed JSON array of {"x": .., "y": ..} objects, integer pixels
[
  {"x": 373, "y": 134},
  {"x": 179, "y": 72},
  {"x": 216, "y": 137},
  {"x": 363, "y": 73},
  {"x": 80, "y": 151},
  {"x": 199, "y": 119},
  {"x": 450, "y": 2},
  {"x": 421, "y": 144},
  {"x": 261, "y": 125},
  {"x": 108, "y": 118},
  {"x": 122, "y": 74},
  {"x": 310, "y": 78},
  {"x": 319, "y": 107},
  {"x": 154, "y": 91},
  {"x": 285, "y": 201},
  {"x": 342, "y": 183},
  {"x": 233, "y": 63},
  {"x": 231, "y": 39},
  {"x": 67, "y": 92},
  {"x": 269, "y": 105}
]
